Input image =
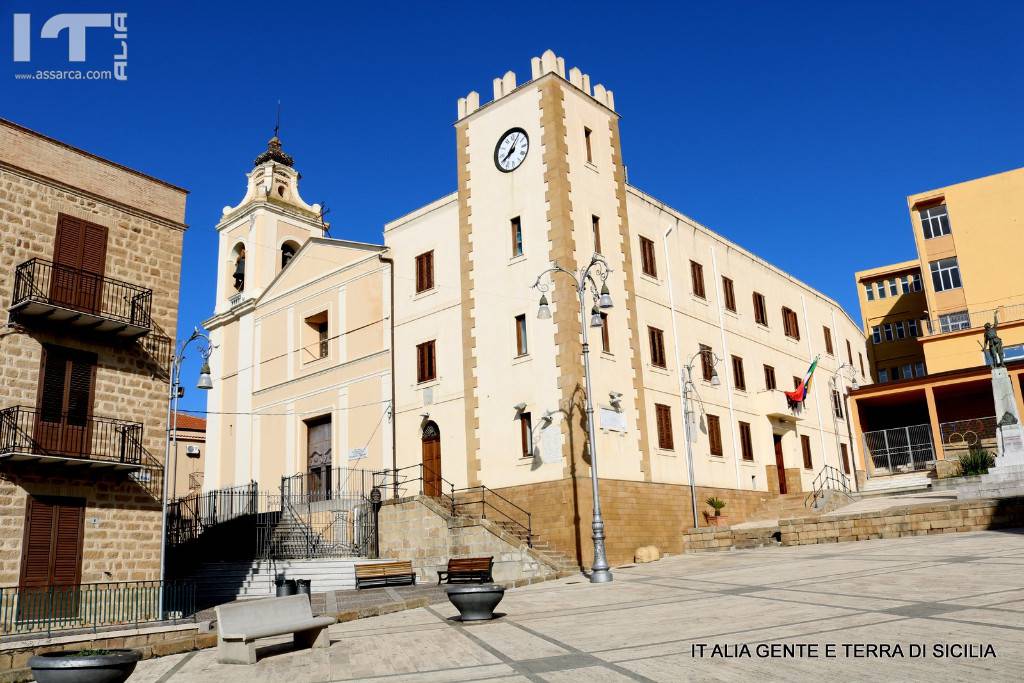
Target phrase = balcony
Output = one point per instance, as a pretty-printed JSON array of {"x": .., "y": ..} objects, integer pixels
[
  {"x": 772, "y": 404},
  {"x": 971, "y": 320},
  {"x": 54, "y": 294},
  {"x": 27, "y": 434}
]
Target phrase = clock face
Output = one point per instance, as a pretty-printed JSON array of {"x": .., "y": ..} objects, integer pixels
[{"x": 511, "y": 150}]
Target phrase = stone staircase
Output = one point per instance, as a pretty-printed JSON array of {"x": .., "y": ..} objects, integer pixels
[
  {"x": 515, "y": 533},
  {"x": 897, "y": 484},
  {"x": 220, "y": 582}
]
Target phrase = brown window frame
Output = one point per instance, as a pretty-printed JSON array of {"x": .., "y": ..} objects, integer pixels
[
  {"x": 860, "y": 359},
  {"x": 769, "y": 378},
  {"x": 849, "y": 353},
  {"x": 845, "y": 457},
  {"x": 595, "y": 223},
  {"x": 606, "y": 344},
  {"x": 715, "y": 435},
  {"x": 805, "y": 447},
  {"x": 656, "y": 338},
  {"x": 746, "y": 442},
  {"x": 760, "y": 309},
  {"x": 516, "y": 225},
  {"x": 827, "y": 332},
  {"x": 837, "y": 405},
  {"x": 425, "y": 271},
  {"x": 522, "y": 343},
  {"x": 663, "y": 424},
  {"x": 526, "y": 434},
  {"x": 707, "y": 362},
  {"x": 729, "y": 292},
  {"x": 586, "y": 141},
  {"x": 790, "y": 323},
  {"x": 697, "y": 280},
  {"x": 426, "y": 361},
  {"x": 739, "y": 378},
  {"x": 648, "y": 260}
]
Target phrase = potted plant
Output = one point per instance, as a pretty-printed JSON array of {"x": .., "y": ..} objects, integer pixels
[
  {"x": 716, "y": 504},
  {"x": 84, "y": 666}
]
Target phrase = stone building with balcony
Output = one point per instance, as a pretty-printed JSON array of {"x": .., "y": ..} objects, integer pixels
[
  {"x": 89, "y": 278},
  {"x": 924, "y": 322}
]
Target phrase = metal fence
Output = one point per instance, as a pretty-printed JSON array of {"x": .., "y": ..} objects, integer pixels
[
  {"x": 189, "y": 516},
  {"x": 967, "y": 320},
  {"x": 27, "y": 430},
  {"x": 59, "y": 285},
  {"x": 901, "y": 449},
  {"x": 959, "y": 436},
  {"x": 94, "y": 605}
]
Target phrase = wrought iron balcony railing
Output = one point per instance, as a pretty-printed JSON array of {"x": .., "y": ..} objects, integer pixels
[
  {"x": 71, "y": 439},
  {"x": 55, "y": 293}
]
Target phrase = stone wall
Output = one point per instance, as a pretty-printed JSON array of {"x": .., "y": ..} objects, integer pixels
[
  {"x": 419, "y": 529},
  {"x": 40, "y": 179}
]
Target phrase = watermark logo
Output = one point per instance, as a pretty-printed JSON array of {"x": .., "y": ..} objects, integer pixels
[{"x": 75, "y": 27}]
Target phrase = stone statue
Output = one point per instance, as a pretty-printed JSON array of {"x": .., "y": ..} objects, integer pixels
[{"x": 993, "y": 344}]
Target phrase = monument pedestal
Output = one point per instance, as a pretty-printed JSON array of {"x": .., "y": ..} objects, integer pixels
[{"x": 1006, "y": 477}]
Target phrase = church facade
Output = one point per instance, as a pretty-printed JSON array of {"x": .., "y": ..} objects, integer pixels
[{"x": 488, "y": 393}]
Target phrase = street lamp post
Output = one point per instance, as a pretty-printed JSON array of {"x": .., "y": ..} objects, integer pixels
[
  {"x": 687, "y": 371},
  {"x": 841, "y": 390},
  {"x": 599, "y": 571},
  {"x": 205, "y": 383}
]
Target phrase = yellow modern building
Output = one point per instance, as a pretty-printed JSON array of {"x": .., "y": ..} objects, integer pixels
[
  {"x": 485, "y": 393},
  {"x": 924, "y": 322}
]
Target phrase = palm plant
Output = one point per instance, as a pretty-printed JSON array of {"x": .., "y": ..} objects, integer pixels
[{"x": 717, "y": 504}]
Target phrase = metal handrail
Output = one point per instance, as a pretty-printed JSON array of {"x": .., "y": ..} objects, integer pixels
[
  {"x": 94, "y": 605},
  {"x": 24, "y": 429},
  {"x": 976, "y": 319},
  {"x": 60, "y": 285},
  {"x": 484, "y": 505},
  {"x": 829, "y": 478}
]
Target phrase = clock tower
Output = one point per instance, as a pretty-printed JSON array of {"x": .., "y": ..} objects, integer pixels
[{"x": 541, "y": 181}]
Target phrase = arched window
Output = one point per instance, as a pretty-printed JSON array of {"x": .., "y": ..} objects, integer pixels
[
  {"x": 288, "y": 250},
  {"x": 239, "y": 272}
]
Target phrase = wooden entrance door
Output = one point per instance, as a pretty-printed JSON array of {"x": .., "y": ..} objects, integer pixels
[
  {"x": 51, "y": 557},
  {"x": 64, "y": 407},
  {"x": 79, "y": 261},
  {"x": 780, "y": 463},
  {"x": 431, "y": 460},
  {"x": 318, "y": 459}
]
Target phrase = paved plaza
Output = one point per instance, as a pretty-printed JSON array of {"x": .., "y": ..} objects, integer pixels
[{"x": 927, "y": 600}]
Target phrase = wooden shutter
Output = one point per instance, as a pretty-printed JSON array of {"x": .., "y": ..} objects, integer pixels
[
  {"x": 79, "y": 256},
  {"x": 663, "y": 420},
  {"x": 746, "y": 442},
  {"x": 50, "y": 403},
  {"x": 730, "y": 294},
  {"x": 828, "y": 341},
  {"x": 52, "y": 548},
  {"x": 805, "y": 445},
  {"x": 697, "y": 276},
  {"x": 657, "y": 346},
  {"x": 715, "y": 435}
]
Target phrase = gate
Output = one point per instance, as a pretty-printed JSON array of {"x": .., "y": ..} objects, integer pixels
[{"x": 901, "y": 449}]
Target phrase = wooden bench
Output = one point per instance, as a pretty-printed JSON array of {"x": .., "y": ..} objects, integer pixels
[
  {"x": 385, "y": 573},
  {"x": 240, "y": 624},
  {"x": 468, "y": 569}
]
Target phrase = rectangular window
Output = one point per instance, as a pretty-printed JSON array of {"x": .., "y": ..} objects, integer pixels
[
  {"x": 517, "y": 236},
  {"x": 647, "y": 260},
  {"x": 883, "y": 375},
  {"x": 912, "y": 327},
  {"x": 323, "y": 339},
  {"x": 746, "y": 442},
  {"x": 907, "y": 371},
  {"x": 697, "y": 279},
  {"x": 869, "y": 291},
  {"x": 887, "y": 328},
  {"x": 934, "y": 221},
  {"x": 425, "y": 272},
  {"x": 317, "y": 340},
  {"x": 526, "y": 434},
  {"x": 769, "y": 378},
  {"x": 951, "y": 322},
  {"x": 714, "y": 435},
  {"x": 901, "y": 332},
  {"x": 596, "y": 225},
  {"x": 586, "y": 141},
  {"x": 880, "y": 289},
  {"x": 849, "y": 353},
  {"x": 51, "y": 553},
  {"x": 730, "y": 294},
  {"x": 707, "y": 362},
  {"x": 805, "y": 446},
  {"x": 521, "y": 346},
  {"x": 657, "y": 339},
  {"x": 917, "y": 282},
  {"x": 828, "y": 341},
  {"x": 860, "y": 359},
  {"x": 663, "y": 417},
  {"x": 606, "y": 344},
  {"x": 919, "y": 370},
  {"x": 760, "y": 310},
  {"x": 846, "y": 458},
  {"x": 905, "y": 284},
  {"x": 790, "y": 323},
  {"x": 426, "y": 368},
  {"x": 893, "y": 290},
  {"x": 796, "y": 382},
  {"x": 946, "y": 274},
  {"x": 837, "y": 404},
  {"x": 876, "y": 334},
  {"x": 738, "y": 379}
]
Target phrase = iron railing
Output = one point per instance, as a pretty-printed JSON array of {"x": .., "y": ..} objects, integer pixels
[
  {"x": 94, "y": 605},
  {"x": 54, "y": 284},
  {"x": 501, "y": 509},
  {"x": 415, "y": 480},
  {"x": 969, "y": 320},
  {"x": 901, "y": 449},
  {"x": 69, "y": 435},
  {"x": 828, "y": 479},
  {"x": 189, "y": 516},
  {"x": 960, "y": 435}
]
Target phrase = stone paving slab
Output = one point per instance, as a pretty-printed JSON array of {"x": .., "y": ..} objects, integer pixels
[{"x": 947, "y": 594}]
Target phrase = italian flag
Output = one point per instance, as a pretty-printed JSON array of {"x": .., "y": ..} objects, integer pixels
[{"x": 798, "y": 395}]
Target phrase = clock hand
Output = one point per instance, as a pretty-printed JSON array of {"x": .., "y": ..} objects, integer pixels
[{"x": 511, "y": 148}]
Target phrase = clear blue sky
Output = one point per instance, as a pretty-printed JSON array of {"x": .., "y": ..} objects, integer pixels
[{"x": 795, "y": 129}]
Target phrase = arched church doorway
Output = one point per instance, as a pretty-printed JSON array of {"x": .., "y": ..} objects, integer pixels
[{"x": 431, "y": 460}]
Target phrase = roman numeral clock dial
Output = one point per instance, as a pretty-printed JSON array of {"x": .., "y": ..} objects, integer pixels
[{"x": 511, "y": 150}]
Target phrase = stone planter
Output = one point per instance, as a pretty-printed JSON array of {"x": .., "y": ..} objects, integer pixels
[
  {"x": 73, "y": 667},
  {"x": 476, "y": 602},
  {"x": 719, "y": 520}
]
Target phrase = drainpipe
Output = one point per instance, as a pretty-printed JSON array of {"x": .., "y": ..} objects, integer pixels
[
  {"x": 394, "y": 412},
  {"x": 683, "y": 398}
]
